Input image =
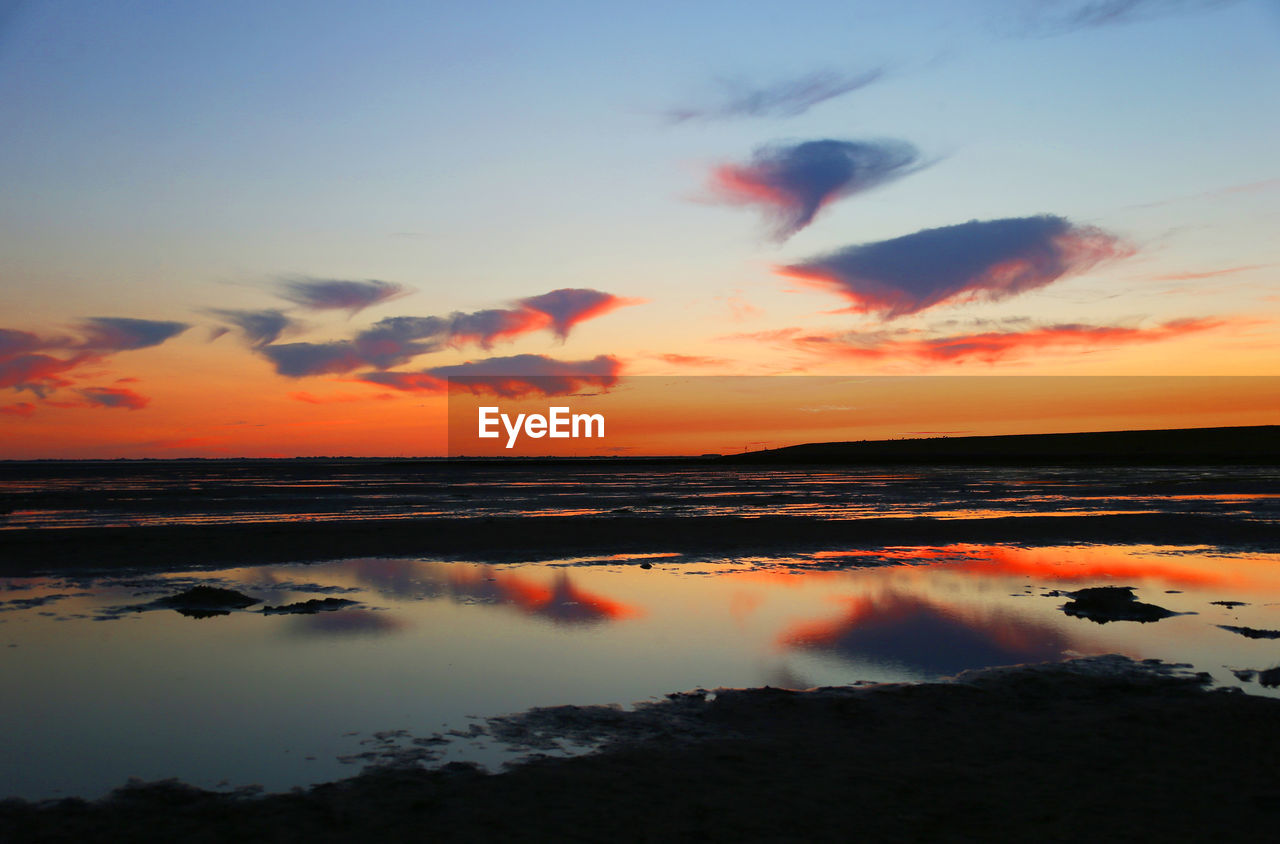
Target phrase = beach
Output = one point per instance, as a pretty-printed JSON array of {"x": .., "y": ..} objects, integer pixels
[
  {"x": 724, "y": 661},
  {"x": 1057, "y": 753}
]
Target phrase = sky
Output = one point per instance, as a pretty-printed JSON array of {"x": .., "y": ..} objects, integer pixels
[{"x": 276, "y": 229}]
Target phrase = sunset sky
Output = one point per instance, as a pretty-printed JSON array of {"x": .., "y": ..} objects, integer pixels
[{"x": 276, "y": 228}]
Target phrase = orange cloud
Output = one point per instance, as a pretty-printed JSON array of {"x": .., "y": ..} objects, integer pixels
[
  {"x": 988, "y": 346},
  {"x": 1209, "y": 274}
]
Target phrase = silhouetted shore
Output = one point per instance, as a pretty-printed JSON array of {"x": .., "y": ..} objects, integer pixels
[{"x": 1251, "y": 445}]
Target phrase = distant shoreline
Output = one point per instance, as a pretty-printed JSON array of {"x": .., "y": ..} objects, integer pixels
[{"x": 1247, "y": 445}]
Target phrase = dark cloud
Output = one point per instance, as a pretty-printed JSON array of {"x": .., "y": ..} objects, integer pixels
[
  {"x": 320, "y": 294},
  {"x": 13, "y": 343},
  {"x": 930, "y": 638},
  {"x": 297, "y": 360},
  {"x": 114, "y": 397},
  {"x": 389, "y": 342},
  {"x": 569, "y": 306},
  {"x": 258, "y": 327},
  {"x": 508, "y": 377},
  {"x": 395, "y": 341},
  {"x": 1055, "y": 17},
  {"x": 120, "y": 334},
  {"x": 483, "y": 328},
  {"x": 793, "y": 182},
  {"x": 991, "y": 260},
  {"x": 786, "y": 98}
]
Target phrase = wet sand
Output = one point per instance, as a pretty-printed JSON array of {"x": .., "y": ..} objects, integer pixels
[
  {"x": 172, "y": 547},
  {"x": 1100, "y": 747}
]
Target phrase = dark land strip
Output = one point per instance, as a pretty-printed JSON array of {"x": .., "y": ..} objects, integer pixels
[
  {"x": 1031, "y": 754},
  {"x": 33, "y": 551}
]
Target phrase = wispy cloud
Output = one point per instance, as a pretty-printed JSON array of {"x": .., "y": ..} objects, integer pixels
[
  {"x": 985, "y": 347},
  {"x": 508, "y": 377},
  {"x": 793, "y": 182},
  {"x": 26, "y": 365},
  {"x": 691, "y": 360},
  {"x": 119, "y": 334},
  {"x": 22, "y": 408},
  {"x": 990, "y": 260},
  {"x": 337, "y": 398},
  {"x": 320, "y": 294},
  {"x": 784, "y": 98},
  {"x": 1056, "y": 17},
  {"x": 395, "y": 341},
  {"x": 114, "y": 397},
  {"x": 259, "y": 328},
  {"x": 1207, "y": 273}
]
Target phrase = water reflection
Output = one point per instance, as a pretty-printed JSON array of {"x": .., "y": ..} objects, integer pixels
[
  {"x": 926, "y": 637},
  {"x": 561, "y": 601},
  {"x": 352, "y": 621},
  {"x": 247, "y": 698}
]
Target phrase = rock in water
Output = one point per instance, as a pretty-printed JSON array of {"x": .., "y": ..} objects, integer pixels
[
  {"x": 201, "y": 601},
  {"x": 1112, "y": 603}
]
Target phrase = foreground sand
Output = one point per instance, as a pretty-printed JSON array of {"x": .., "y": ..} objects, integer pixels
[{"x": 1096, "y": 748}]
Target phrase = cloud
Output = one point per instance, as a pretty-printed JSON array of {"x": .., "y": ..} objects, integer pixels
[
  {"x": 1056, "y": 17},
  {"x": 987, "y": 347},
  {"x": 24, "y": 364},
  {"x": 691, "y": 360},
  {"x": 992, "y": 260},
  {"x": 508, "y": 377},
  {"x": 569, "y": 306},
  {"x": 1208, "y": 274},
  {"x": 483, "y": 328},
  {"x": 297, "y": 360},
  {"x": 337, "y": 398},
  {"x": 22, "y": 408},
  {"x": 259, "y": 328},
  {"x": 39, "y": 374},
  {"x": 793, "y": 182},
  {"x": 320, "y": 294},
  {"x": 786, "y": 98},
  {"x": 395, "y": 341},
  {"x": 114, "y": 397},
  {"x": 927, "y": 637},
  {"x": 559, "y": 310},
  {"x": 120, "y": 334},
  {"x": 14, "y": 342}
]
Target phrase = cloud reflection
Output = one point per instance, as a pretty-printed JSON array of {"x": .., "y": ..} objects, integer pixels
[{"x": 927, "y": 637}]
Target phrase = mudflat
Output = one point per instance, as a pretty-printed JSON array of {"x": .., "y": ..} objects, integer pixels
[{"x": 1100, "y": 746}]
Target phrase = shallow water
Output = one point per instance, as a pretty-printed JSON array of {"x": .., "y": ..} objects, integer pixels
[
  {"x": 99, "y": 690},
  {"x": 37, "y": 495}
]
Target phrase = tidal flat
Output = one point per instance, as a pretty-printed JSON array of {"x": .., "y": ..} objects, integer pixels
[{"x": 509, "y": 648}]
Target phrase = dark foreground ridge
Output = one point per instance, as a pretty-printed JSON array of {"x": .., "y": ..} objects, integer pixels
[
  {"x": 1255, "y": 445},
  {"x": 1064, "y": 752},
  {"x": 172, "y": 547}
]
